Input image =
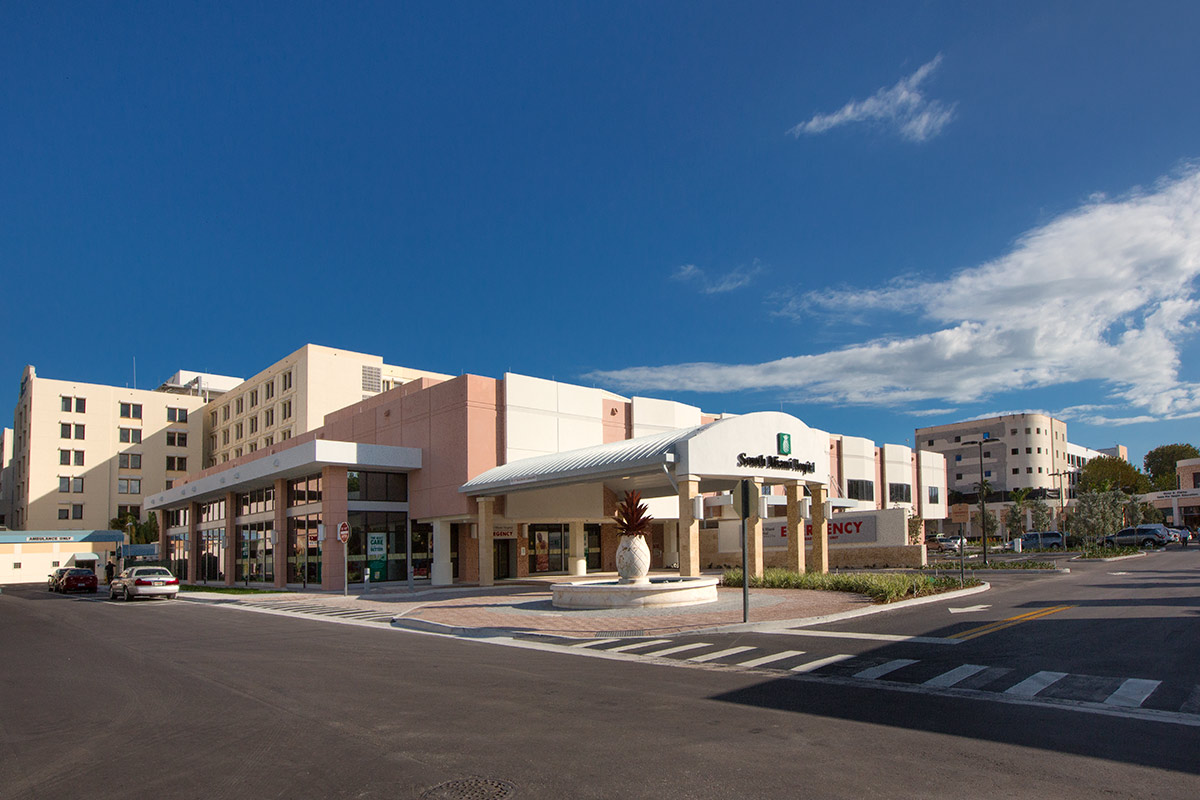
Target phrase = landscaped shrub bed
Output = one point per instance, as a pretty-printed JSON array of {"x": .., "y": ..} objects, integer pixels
[
  {"x": 882, "y": 588},
  {"x": 949, "y": 565},
  {"x": 1096, "y": 551}
]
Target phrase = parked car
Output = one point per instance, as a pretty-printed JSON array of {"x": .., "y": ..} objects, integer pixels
[
  {"x": 952, "y": 544},
  {"x": 78, "y": 580},
  {"x": 144, "y": 582},
  {"x": 1175, "y": 534},
  {"x": 1149, "y": 535},
  {"x": 54, "y": 578},
  {"x": 1040, "y": 540}
]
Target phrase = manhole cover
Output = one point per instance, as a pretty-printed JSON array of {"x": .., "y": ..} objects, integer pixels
[{"x": 471, "y": 789}]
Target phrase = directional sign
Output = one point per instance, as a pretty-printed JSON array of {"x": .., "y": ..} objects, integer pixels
[{"x": 344, "y": 532}]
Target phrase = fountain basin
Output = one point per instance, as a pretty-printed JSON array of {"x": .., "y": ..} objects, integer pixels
[{"x": 657, "y": 592}]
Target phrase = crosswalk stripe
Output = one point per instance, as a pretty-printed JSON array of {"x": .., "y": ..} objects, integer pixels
[
  {"x": 1132, "y": 693},
  {"x": 593, "y": 643},
  {"x": 632, "y": 645},
  {"x": 1035, "y": 683},
  {"x": 733, "y": 651},
  {"x": 758, "y": 662},
  {"x": 682, "y": 648},
  {"x": 820, "y": 662},
  {"x": 871, "y": 673},
  {"x": 956, "y": 675},
  {"x": 1192, "y": 704}
]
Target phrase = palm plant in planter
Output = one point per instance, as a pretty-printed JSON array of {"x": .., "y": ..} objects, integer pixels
[{"x": 633, "y": 523}]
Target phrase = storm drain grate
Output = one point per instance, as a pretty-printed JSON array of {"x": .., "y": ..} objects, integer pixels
[
  {"x": 616, "y": 634},
  {"x": 471, "y": 789}
]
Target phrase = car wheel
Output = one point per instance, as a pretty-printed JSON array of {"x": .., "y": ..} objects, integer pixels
[
  {"x": 1147, "y": 543},
  {"x": 127, "y": 596}
]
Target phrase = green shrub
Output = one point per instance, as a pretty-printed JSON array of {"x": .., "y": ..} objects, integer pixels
[
  {"x": 1098, "y": 551},
  {"x": 953, "y": 565},
  {"x": 882, "y": 588}
]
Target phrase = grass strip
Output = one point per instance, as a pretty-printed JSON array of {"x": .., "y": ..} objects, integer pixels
[{"x": 882, "y": 588}]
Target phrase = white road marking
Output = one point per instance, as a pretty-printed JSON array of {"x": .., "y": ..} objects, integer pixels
[
  {"x": 682, "y": 648},
  {"x": 820, "y": 662},
  {"x": 733, "y": 651},
  {"x": 871, "y": 673},
  {"x": 967, "y": 609},
  {"x": 1035, "y": 683},
  {"x": 758, "y": 662},
  {"x": 1192, "y": 704},
  {"x": 643, "y": 643},
  {"x": 954, "y": 676},
  {"x": 594, "y": 642},
  {"x": 873, "y": 637},
  {"x": 1132, "y": 693}
]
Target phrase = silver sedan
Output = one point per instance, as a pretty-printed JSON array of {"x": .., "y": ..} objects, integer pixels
[{"x": 144, "y": 582}]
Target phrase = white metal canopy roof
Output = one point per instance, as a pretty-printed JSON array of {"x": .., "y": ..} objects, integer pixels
[{"x": 626, "y": 457}]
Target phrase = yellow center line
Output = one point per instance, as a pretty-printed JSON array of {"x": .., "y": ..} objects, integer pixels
[{"x": 1007, "y": 623}]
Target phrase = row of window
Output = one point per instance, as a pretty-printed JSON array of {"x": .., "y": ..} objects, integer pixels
[
  {"x": 68, "y": 484},
  {"x": 71, "y": 512},
  {"x": 68, "y": 430},
  {"x": 250, "y": 399},
  {"x": 76, "y": 404},
  {"x": 68, "y": 457},
  {"x": 250, "y": 447}
]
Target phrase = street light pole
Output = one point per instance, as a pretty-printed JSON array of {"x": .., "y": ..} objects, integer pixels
[
  {"x": 983, "y": 494},
  {"x": 1061, "y": 499}
]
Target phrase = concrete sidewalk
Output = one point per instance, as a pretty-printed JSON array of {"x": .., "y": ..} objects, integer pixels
[{"x": 526, "y": 608}]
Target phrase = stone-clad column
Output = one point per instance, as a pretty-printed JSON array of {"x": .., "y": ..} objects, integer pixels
[
  {"x": 232, "y": 545},
  {"x": 754, "y": 531},
  {"x": 820, "y": 540},
  {"x": 795, "y": 527},
  {"x": 577, "y": 548},
  {"x": 486, "y": 555},
  {"x": 334, "y": 497},
  {"x": 280, "y": 548},
  {"x": 689, "y": 528},
  {"x": 443, "y": 569},
  {"x": 193, "y": 543}
]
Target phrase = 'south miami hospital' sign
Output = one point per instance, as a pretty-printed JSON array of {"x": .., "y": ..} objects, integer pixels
[{"x": 783, "y": 445}]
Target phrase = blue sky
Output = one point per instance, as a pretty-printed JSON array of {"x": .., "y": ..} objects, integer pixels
[{"x": 876, "y": 216}]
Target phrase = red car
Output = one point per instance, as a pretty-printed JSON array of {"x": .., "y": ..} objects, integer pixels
[{"x": 78, "y": 580}]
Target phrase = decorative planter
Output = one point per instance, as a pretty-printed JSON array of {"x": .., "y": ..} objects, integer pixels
[{"x": 633, "y": 559}]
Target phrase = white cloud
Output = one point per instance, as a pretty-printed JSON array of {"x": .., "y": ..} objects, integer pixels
[
  {"x": 903, "y": 106},
  {"x": 1106, "y": 293},
  {"x": 734, "y": 279}
]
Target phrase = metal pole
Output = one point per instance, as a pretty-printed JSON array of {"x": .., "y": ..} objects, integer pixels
[
  {"x": 982, "y": 504},
  {"x": 346, "y": 568},
  {"x": 408, "y": 550},
  {"x": 745, "y": 575}
]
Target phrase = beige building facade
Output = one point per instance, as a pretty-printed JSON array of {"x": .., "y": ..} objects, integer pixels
[
  {"x": 292, "y": 397},
  {"x": 84, "y": 453}
]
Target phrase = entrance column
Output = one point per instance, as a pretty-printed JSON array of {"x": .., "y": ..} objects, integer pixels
[
  {"x": 689, "y": 528},
  {"x": 795, "y": 526},
  {"x": 754, "y": 531},
  {"x": 670, "y": 542},
  {"x": 233, "y": 547},
  {"x": 576, "y": 548},
  {"x": 486, "y": 555},
  {"x": 193, "y": 543},
  {"x": 820, "y": 539},
  {"x": 279, "y": 542},
  {"x": 443, "y": 570}
]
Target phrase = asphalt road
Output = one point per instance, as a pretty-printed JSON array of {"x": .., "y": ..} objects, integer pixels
[{"x": 176, "y": 699}]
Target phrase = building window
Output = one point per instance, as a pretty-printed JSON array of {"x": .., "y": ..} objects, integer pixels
[
  {"x": 237, "y": 431},
  {"x": 1029, "y": 469},
  {"x": 66, "y": 404},
  {"x": 16, "y": 565},
  {"x": 284, "y": 435},
  {"x": 239, "y": 405},
  {"x": 1039, "y": 470},
  {"x": 987, "y": 473},
  {"x": 77, "y": 511},
  {"x": 64, "y": 513},
  {"x": 129, "y": 485},
  {"x": 64, "y": 430},
  {"x": 79, "y": 458},
  {"x": 237, "y": 452},
  {"x": 268, "y": 417},
  {"x": 268, "y": 441},
  {"x": 129, "y": 511},
  {"x": 78, "y": 431},
  {"x": 1016, "y": 470},
  {"x": 958, "y": 438},
  {"x": 176, "y": 438},
  {"x": 225, "y": 413},
  {"x": 131, "y": 410},
  {"x": 958, "y": 457},
  {"x": 860, "y": 490},
  {"x": 931, "y": 442},
  {"x": 129, "y": 460},
  {"x": 285, "y": 381},
  {"x": 212, "y": 418},
  {"x": 1039, "y": 430},
  {"x": 170, "y": 483},
  {"x": 254, "y": 425},
  {"x": 1014, "y": 451},
  {"x": 268, "y": 390},
  {"x": 77, "y": 485},
  {"x": 212, "y": 442},
  {"x": 285, "y": 409},
  {"x": 1039, "y": 451},
  {"x": 250, "y": 448},
  {"x": 1028, "y": 450},
  {"x": 253, "y": 397},
  {"x": 933, "y": 495},
  {"x": 130, "y": 435},
  {"x": 388, "y": 487},
  {"x": 64, "y": 484},
  {"x": 899, "y": 492},
  {"x": 1027, "y": 431},
  {"x": 225, "y": 438},
  {"x": 64, "y": 457},
  {"x": 176, "y": 415},
  {"x": 958, "y": 476},
  {"x": 177, "y": 463},
  {"x": 987, "y": 453}
]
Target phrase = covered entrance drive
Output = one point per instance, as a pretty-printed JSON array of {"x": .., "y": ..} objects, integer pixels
[{"x": 562, "y": 495}]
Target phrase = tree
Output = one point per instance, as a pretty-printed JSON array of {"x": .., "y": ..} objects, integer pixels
[
  {"x": 1040, "y": 514},
  {"x": 1097, "y": 514},
  {"x": 1133, "y": 511},
  {"x": 139, "y": 532},
  {"x": 990, "y": 522},
  {"x": 1014, "y": 515},
  {"x": 1106, "y": 473},
  {"x": 1160, "y": 463}
]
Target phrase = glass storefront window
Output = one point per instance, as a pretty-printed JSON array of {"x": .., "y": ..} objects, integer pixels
[
  {"x": 256, "y": 553},
  {"x": 178, "y": 555},
  {"x": 304, "y": 549},
  {"x": 385, "y": 487},
  {"x": 388, "y": 529},
  {"x": 212, "y": 555},
  {"x": 303, "y": 491},
  {"x": 547, "y": 548}
]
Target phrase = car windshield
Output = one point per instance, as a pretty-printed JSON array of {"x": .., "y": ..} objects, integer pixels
[{"x": 155, "y": 571}]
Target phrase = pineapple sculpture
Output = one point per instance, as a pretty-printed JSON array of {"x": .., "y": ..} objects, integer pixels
[{"x": 633, "y": 554}]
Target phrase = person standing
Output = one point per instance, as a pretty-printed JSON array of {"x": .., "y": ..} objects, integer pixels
[{"x": 109, "y": 568}]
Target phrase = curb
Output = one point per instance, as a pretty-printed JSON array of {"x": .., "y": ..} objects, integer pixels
[
  {"x": 750, "y": 627},
  {"x": 1083, "y": 560},
  {"x": 425, "y": 626}
]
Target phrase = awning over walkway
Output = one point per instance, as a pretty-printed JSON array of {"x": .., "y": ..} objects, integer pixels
[{"x": 769, "y": 446}]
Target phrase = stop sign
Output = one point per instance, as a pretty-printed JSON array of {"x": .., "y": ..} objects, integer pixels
[{"x": 344, "y": 532}]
